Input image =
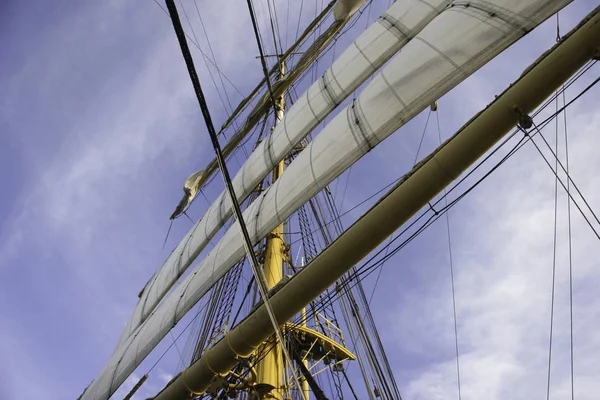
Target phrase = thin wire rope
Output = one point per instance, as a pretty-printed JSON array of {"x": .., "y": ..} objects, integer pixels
[
  {"x": 570, "y": 248},
  {"x": 552, "y": 297},
  {"x": 210, "y": 48},
  {"x": 260, "y": 50},
  {"x": 569, "y": 179},
  {"x": 198, "y": 47},
  {"x": 422, "y": 137},
  {"x": 177, "y": 348},
  {"x": 565, "y": 188},
  {"x": 379, "y": 274},
  {"x": 204, "y": 56},
  {"x": 437, "y": 114},
  {"x": 392, "y": 236},
  {"x": 299, "y": 19},
  {"x": 275, "y": 26},
  {"x": 287, "y": 23},
  {"x": 180, "y": 333},
  {"x": 346, "y": 187}
]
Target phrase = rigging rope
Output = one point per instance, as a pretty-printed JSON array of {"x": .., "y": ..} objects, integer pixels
[
  {"x": 569, "y": 195},
  {"x": 570, "y": 244},
  {"x": 205, "y": 57},
  {"x": 260, "y": 50},
  {"x": 198, "y": 47},
  {"x": 437, "y": 114},
  {"x": 430, "y": 109},
  {"x": 554, "y": 240},
  {"x": 422, "y": 137}
]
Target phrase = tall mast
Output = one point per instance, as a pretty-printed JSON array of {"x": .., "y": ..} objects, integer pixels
[{"x": 270, "y": 370}]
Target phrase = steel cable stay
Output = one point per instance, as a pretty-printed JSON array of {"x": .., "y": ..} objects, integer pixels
[
  {"x": 198, "y": 47},
  {"x": 375, "y": 355},
  {"x": 554, "y": 240},
  {"x": 451, "y": 262},
  {"x": 430, "y": 109},
  {"x": 212, "y": 53},
  {"x": 569, "y": 195},
  {"x": 572, "y": 361},
  {"x": 204, "y": 57}
]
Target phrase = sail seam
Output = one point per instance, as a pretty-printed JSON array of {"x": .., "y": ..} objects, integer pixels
[
  {"x": 328, "y": 90},
  {"x": 394, "y": 92},
  {"x": 259, "y": 201},
  {"x": 441, "y": 53},
  {"x": 397, "y": 26},
  {"x": 356, "y": 122},
  {"x": 494, "y": 11},
  {"x": 311, "y": 108},
  {"x": 373, "y": 67}
]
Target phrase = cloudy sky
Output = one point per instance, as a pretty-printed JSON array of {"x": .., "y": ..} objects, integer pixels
[{"x": 99, "y": 127}]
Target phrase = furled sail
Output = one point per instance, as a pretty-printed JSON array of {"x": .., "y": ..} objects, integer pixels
[
  {"x": 190, "y": 188},
  {"x": 453, "y": 46},
  {"x": 343, "y": 10},
  {"x": 401, "y": 22}
]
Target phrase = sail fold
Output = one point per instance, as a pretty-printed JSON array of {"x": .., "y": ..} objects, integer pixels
[
  {"x": 465, "y": 36},
  {"x": 345, "y": 8},
  {"x": 384, "y": 38}
]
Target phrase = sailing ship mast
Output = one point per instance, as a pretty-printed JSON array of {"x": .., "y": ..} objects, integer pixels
[
  {"x": 270, "y": 369},
  {"x": 374, "y": 115}
]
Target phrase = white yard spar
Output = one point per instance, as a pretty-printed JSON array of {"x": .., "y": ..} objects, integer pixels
[
  {"x": 384, "y": 38},
  {"x": 454, "y": 45}
]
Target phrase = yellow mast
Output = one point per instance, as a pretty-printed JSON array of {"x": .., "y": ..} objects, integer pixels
[
  {"x": 270, "y": 369},
  {"x": 305, "y": 387}
]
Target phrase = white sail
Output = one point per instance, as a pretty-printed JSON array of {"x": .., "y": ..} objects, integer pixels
[
  {"x": 384, "y": 38},
  {"x": 453, "y": 46}
]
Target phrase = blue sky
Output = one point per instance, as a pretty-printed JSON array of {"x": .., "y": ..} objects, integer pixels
[{"x": 99, "y": 128}]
